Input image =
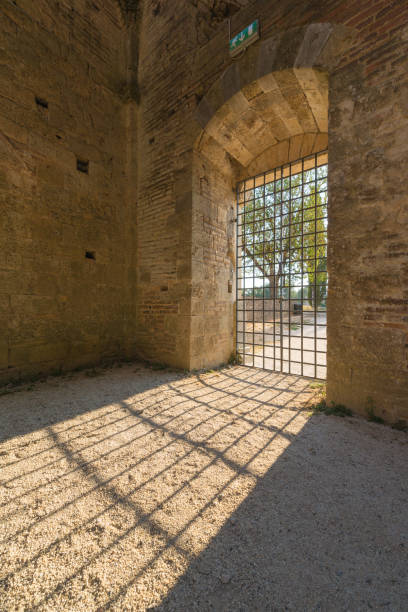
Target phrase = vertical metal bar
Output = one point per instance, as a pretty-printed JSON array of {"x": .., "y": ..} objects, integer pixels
[
  {"x": 244, "y": 272},
  {"x": 290, "y": 268},
  {"x": 282, "y": 276},
  {"x": 263, "y": 279},
  {"x": 301, "y": 257},
  {"x": 273, "y": 290},
  {"x": 315, "y": 269},
  {"x": 302, "y": 266},
  {"x": 236, "y": 273},
  {"x": 327, "y": 255},
  {"x": 253, "y": 273}
]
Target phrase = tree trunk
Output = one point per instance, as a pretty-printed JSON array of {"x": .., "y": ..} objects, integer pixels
[{"x": 273, "y": 279}]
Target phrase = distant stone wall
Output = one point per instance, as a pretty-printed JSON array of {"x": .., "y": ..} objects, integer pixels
[{"x": 257, "y": 309}]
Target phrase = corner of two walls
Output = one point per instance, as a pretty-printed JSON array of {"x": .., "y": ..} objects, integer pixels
[{"x": 158, "y": 215}]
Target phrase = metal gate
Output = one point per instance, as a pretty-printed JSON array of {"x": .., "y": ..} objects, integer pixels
[{"x": 282, "y": 268}]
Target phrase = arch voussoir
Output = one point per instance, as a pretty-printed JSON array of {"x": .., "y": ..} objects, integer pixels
[{"x": 316, "y": 46}]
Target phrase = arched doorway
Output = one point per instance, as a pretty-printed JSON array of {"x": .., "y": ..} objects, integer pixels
[
  {"x": 268, "y": 110},
  {"x": 282, "y": 268}
]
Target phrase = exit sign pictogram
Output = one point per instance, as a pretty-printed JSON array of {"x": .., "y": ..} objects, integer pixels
[{"x": 246, "y": 37}]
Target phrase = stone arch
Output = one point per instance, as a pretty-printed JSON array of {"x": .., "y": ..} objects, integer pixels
[
  {"x": 318, "y": 46},
  {"x": 270, "y": 106}
]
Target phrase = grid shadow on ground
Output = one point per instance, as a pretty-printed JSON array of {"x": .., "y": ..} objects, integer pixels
[{"x": 155, "y": 490}]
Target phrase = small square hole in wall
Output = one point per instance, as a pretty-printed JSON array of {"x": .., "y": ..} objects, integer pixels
[
  {"x": 41, "y": 103},
  {"x": 82, "y": 165},
  {"x": 90, "y": 255}
]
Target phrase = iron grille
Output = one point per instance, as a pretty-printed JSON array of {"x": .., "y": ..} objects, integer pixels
[{"x": 282, "y": 268}]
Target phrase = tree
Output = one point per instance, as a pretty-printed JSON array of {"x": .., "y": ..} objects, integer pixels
[{"x": 284, "y": 233}]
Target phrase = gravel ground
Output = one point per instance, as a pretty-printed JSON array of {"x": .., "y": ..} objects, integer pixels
[{"x": 133, "y": 489}]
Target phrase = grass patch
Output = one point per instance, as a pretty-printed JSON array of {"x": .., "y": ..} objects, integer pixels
[
  {"x": 93, "y": 372},
  {"x": 16, "y": 387},
  {"x": 235, "y": 359},
  {"x": 370, "y": 409},
  {"x": 374, "y": 418},
  {"x": 158, "y": 366},
  {"x": 331, "y": 409},
  {"x": 400, "y": 425},
  {"x": 318, "y": 385}
]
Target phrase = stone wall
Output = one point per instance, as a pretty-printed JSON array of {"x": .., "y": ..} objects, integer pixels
[
  {"x": 166, "y": 119},
  {"x": 368, "y": 232},
  {"x": 186, "y": 83},
  {"x": 257, "y": 310},
  {"x": 63, "y": 98}
]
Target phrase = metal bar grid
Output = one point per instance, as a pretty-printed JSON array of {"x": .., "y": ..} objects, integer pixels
[{"x": 281, "y": 281}]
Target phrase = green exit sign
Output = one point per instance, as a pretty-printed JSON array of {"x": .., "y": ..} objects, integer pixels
[{"x": 242, "y": 40}]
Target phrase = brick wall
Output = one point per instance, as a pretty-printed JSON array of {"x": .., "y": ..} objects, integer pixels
[
  {"x": 367, "y": 136},
  {"x": 59, "y": 309},
  {"x": 159, "y": 284},
  {"x": 368, "y": 239}
]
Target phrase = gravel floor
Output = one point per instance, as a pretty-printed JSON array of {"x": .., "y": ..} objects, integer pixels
[{"x": 135, "y": 489}]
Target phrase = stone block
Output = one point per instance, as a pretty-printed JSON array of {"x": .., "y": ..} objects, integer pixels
[
  {"x": 231, "y": 82},
  {"x": 51, "y": 173},
  {"x": 4, "y": 353},
  {"x": 204, "y": 112},
  {"x": 314, "y": 40},
  {"x": 267, "y": 55}
]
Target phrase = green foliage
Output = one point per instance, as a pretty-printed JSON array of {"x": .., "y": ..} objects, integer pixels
[
  {"x": 258, "y": 292},
  {"x": 400, "y": 425},
  {"x": 370, "y": 409},
  {"x": 285, "y": 232},
  {"x": 374, "y": 418},
  {"x": 93, "y": 372},
  {"x": 235, "y": 358},
  {"x": 318, "y": 385},
  {"x": 331, "y": 409},
  {"x": 158, "y": 366}
]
